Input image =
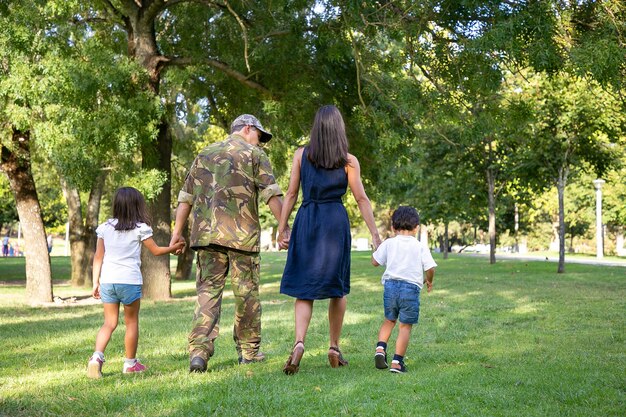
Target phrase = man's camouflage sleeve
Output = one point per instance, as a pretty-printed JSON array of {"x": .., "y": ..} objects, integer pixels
[
  {"x": 186, "y": 193},
  {"x": 265, "y": 181}
]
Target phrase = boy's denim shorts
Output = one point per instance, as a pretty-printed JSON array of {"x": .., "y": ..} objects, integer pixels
[
  {"x": 402, "y": 301},
  {"x": 120, "y": 293}
]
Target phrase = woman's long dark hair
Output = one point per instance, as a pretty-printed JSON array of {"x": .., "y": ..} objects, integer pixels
[
  {"x": 129, "y": 208},
  {"x": 328, "y": 147}
]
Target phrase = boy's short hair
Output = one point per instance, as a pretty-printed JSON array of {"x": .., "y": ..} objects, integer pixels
[{"x": 405, "y": 218}]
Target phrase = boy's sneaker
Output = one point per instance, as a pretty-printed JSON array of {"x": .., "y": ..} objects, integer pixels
[
  {"x": 397, "y": 367},
  {"x": 94, "y": 367},
  {"x": 133, "y": 369},
  {"x": 380, "y": 359}
]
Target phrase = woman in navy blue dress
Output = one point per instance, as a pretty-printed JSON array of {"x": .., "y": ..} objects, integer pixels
[{"x": 318, "y": 261}]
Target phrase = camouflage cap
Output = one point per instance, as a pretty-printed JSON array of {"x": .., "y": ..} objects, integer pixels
[{"x": 250, "y": 120}]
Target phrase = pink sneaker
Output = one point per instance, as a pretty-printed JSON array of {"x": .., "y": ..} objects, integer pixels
[
  {"x": 94, "y": 367},
  {"x": 137, "y": 367}
]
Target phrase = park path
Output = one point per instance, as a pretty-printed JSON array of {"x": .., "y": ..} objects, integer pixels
[{"x": 568, "y": 260}]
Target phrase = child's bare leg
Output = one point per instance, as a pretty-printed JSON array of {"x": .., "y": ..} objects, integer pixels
[
  {"x": 385, "y": 330},
  {"x": 111, "y": 312},
  {"x": 131, "y": 318},
  {"x": 404, "y": 335}
]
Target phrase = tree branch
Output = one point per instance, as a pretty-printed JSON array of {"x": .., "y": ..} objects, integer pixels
[
  {"x": 222, "y": 122},
  {"x": 357, "y": 63},
  {"x": 219, "y": 65},
  {"x": 616, "y": 25},
  {"x": 244, "y": 33},
  {"x": 108, "y": 5}
]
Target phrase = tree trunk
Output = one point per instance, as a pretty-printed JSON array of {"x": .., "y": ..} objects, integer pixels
[
  {"x": 16, "y": 164},
  {"x": 185, "y": 259},
  {"x": 445, "y": 241},
  {"x": 92, "y": 219},
  {"x": 156, "y": 269},
  {"x": 619, "y": 242},
  {"x": 561, "y": 183},
  {"x": 491, "y": 182},
  {"x": 142, "y": 46},
  {"x": 82, "y": 234},
  {"x": 516, "y": 229},
  {"x": 76, "y": 233}
]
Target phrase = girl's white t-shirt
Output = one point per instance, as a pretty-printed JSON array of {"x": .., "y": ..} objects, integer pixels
[
  {"x": 122, "y": 253},
  {"x": 406, "y": 259}
]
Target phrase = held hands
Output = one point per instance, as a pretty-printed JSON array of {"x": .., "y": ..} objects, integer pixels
[
  {"x": 283, "y": 238},
  {"x": 178, "y": 242},
  {"x": 178, "y": 247}
]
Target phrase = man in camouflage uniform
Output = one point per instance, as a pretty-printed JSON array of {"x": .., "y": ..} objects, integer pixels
[{"x": 221, "y": 192}]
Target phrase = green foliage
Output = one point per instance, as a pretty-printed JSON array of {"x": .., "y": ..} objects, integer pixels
[
  {"x": 614, "y": 196},
  {"x": 51, "y": 200},
  {"x": 435, "y": 94},
  {"x": 8, "y": 210},
  {"x": 597, "y": 41},
  {"x": 576, "y": 126},
  {"x": 148, "y": 182},
  {"x": 84, "y": 105},
  {"x": 96, "y": 113}
]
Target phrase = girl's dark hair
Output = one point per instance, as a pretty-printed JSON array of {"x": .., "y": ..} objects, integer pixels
[
  {"x": 328, "y": 147},
  {"x": 405, "y": 218},
  {"x": 129, "y": 208}
]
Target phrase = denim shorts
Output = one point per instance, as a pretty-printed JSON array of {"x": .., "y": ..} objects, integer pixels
[
  {"x": 402, "y": 301},
  {"x": 120, "y": 293}
]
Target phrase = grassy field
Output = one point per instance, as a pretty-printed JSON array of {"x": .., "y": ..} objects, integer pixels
[{"x": 510, "y": 339}]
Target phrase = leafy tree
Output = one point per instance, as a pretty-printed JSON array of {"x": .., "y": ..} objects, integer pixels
[
  {"x": 575, "y": 129},
  {"x": 97, "y": 117},
  {"x": 24, "y": 46}
]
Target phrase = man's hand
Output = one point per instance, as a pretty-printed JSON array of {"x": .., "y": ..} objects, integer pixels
[{"x": 429, "y": 286}]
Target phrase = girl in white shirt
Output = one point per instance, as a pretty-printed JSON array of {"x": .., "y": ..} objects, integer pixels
[{"x": 117, "y": 275}]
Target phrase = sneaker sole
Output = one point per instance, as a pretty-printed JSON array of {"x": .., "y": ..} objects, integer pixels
[
  {"x": 380, "y": 361},
  {"x": 397, "y": 371},
  {"x": 93, "y": 371}
]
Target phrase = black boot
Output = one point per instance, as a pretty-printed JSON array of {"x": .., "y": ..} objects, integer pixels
[{"x": 197, "y": 364}]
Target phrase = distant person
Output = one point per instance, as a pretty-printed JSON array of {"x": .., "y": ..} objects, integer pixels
[
  {"x": 222, "y": 190},
  {"x": 5, "y": 245},
  {"x": 49, "y": 240},
  {"x": 318, "y": 262},
  {"x": 117, "y": 276},
  {"x": 11, "y": 250},
  {"x": 407, "y": 260}
]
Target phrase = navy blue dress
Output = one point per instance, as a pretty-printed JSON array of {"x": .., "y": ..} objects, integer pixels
[{"x": 318, "y": 261}]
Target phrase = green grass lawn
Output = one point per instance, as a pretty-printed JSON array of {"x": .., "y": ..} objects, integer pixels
[{"x": 510, "y": 339}]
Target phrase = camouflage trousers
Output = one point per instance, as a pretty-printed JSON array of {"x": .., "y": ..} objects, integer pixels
[{"x": 213, "y": 265}]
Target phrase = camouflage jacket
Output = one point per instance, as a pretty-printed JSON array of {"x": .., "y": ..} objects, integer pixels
[{"x": 223, "y": 187}]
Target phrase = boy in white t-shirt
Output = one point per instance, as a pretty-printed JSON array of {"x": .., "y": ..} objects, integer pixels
[{"x": 407, "y": 259}]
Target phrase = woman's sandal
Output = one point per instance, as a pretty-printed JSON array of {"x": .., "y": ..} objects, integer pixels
[
  {"x": 336, "y": 358},
  {"x": 293, "y": 363}
]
